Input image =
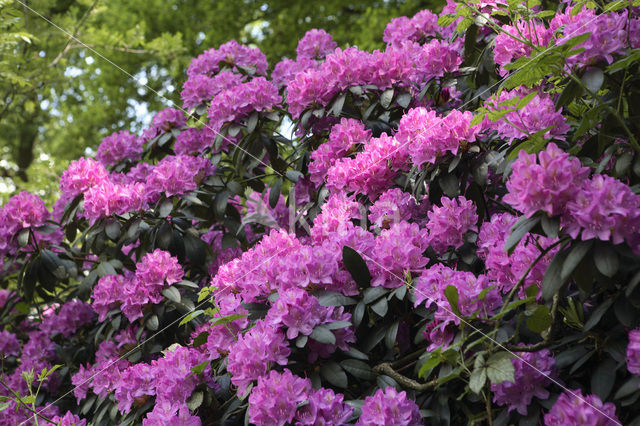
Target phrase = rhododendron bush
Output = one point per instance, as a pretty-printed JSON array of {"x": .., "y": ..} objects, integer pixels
[{"x": 443, "y": 232}]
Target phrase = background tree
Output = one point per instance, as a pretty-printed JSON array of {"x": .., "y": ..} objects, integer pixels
[{"x": 51, "y": 80}]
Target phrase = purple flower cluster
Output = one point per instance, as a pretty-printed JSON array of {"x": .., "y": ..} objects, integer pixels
[
  {"x": 607, "y": 34},
  {"x": 572, "y": 408},
  {"x": 107, "y": 198},
  {"x": 548, "y": 184},
  {"x": 606, "y": 209},
  {"x": 164, "y": 121},
  {"x": 200, "y": 88},
  {"x": 507, "y": 270},
  {"x": 175, "y": 175},
  {"x": 448, "y": 224},
  {"x": 81, "y": 175},
  {"x": 539, "y": 114},
  {"x": 118, "y": 147},
  {"x": 154, "y": 272},
  {"x": 315, "y": 44},
  {"x": 398, "y": 250},
  {"x": 424, "y": 24},
  {"x": 344, "y": 138},
  {"x": 68, "y": 319},
  {"x": 22, "y": 211},
  {"x": 389, "y": 407},
  {"x": 194, "y": 141},
  {"x": 230, "y": 54},
  {"x": 428, "y": 137},
  {"x": 275, "y": 400},
  {"x": 531, "y": 377},
  {"x": 402, "y": 65},
  {"x": 9, "y": 344},
  {"x": 296, "y": 310},
  {"x": 507, "y": 47},
  {"x": 633, "y": 352},
  {"x": 395, "y": 206},
  {"x": 69, "y": 419},
  {"x": 371, "y": 171},
  {"x": 254, "y": 352},
  {"x": 433, "y": 282},
  {"x": 287, "y": 69},
  {"x": 238, "y": 102}
]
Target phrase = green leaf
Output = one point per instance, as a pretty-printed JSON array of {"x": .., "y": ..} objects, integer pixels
[
  {"x": 336, "y": 108},
  {"x": 477, "y": 380},
  {"x": 575, "y": 256},
  {"x": 391, "y": 334},
  {"x": 227, "y": 319},
  {"x": 603, "y": 378},
  {"x": 404, "y": 100},
  {"x": 274, "y": 193},
  {"x": 571, "y": 91},
  {"x": 435, "y": 359},
  {"x": 606, "y": 259},
  {"x": 451, "y": 293},
  {"x": 380, "y": 307},
  {"x": 358, "y": 369},
  {"x": 172, "y": 294},
  {"x": 500, "y": 368},
  {"x": 195, "y": 400},
  {"x": 597, "y": 314},
  {"x": 334, "y": 374},
  {"x": 322, "y": 334},
  {"x": 331, "y": 298},
  {"x": 386, "y": 98},
  {"x": 152, "y": 322},
  {"x": 337, "y": 325},
  {"x": 519, "y": 230},
  {"x": 593, "y": 79},
  {"x": 373, "y": 293},
  {"x": 540, "y": 320},
  {"x": 553, "y": 280},
  {"x": 356, "y": 266},
  {"x": 191, "y": 316}
]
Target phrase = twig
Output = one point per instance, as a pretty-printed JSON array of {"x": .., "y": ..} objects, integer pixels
[
  {"x": 18, "y": 399},
  {"x": 67, "y": 46},
  {"x": 385, "y": 368}
]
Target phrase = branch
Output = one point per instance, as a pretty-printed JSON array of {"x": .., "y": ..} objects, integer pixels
[
  {"x": 385, "y": 368},
  {"x": 75, "y": 33},
  {"x": 547, "y": 340}
]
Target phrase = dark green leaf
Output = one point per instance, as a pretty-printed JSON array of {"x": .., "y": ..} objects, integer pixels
[
  {"x": 391, "y": 334},
  {"x": 386, "y": 98},
  {"x": 553, "y": 281},
  {"x": 477, "y": 380},
  {"x": 519, "y": 230},
  {"x": 603, "y": 378},
  {"x": 575, "y": 256},
  {"x": 597, "y": 314},
  {"x": 373, "y": 293},
  {"x": 334, "y": 374},
  {"x": 540, "y": 320},
  {"x": 274, "y": 193},
  {"x": 380, "y": 307},
  {"x": 404, "y": 100},
  {"x": 606, "y": 259},
  {"x": 152, "y": 322},
  {"x": 630, "y": 386},
  {"x": 356, "y": 266},
  {"x": 358, "y": 369},
  {"x": 570, "y": 92},
  {"x": 500, "y": 368},
  {"x": 172, "y": 294},
  {"x": 330, "y": 298},
  {"x": 322, "y": 334}
]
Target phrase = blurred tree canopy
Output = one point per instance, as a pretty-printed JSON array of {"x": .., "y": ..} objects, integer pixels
[{"x": 58, "y": 98}]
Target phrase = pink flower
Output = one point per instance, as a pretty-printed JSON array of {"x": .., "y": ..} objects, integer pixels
[
  {"x": 274, "y": 400},
  {"x": 389, "y": 407},
  {"x": 315, "y": 44},
  {"x": 118, "y": 147},
  {"x": 573, "y": 409},
  {"x": 633, "y": 352},
  {"x": 448, "y": 224},
  {"x": 229, "y": 54},
  {"x": 546, "y": 185},
  {"x": 532, "y": 371}
]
